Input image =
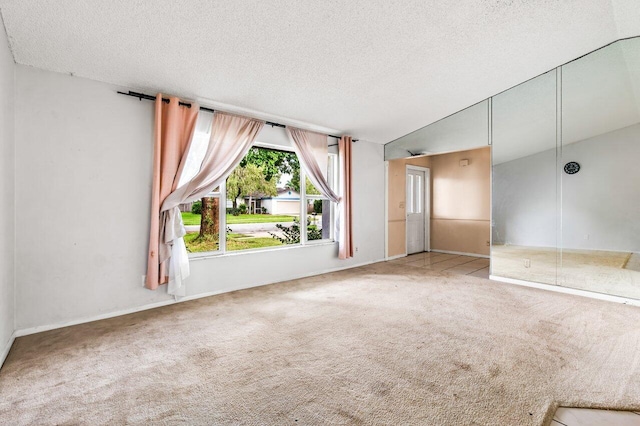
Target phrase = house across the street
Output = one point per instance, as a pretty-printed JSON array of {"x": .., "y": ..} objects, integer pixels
[{"x": 287, "y": 201}]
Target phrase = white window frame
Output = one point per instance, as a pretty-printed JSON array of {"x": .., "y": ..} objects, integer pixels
[
  {"x": 222, "y": 226},
  {"x": 333, "y": 182}
]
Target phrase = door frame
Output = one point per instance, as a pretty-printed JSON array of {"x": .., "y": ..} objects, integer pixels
[
  {"x": 427, "y": 207},
  {"x": 386, "y": 209}
]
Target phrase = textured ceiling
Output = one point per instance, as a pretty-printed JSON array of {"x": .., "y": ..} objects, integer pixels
[{"x": 374, "y": 69}]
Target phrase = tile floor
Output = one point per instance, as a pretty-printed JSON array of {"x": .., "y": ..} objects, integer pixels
[
  {"x": 633, "y": 263},
  {"x": 566, "y": 416},
  {"x": 454, "y": 263}
]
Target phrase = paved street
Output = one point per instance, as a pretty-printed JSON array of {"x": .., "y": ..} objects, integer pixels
[{"x": 255, "y": 229}]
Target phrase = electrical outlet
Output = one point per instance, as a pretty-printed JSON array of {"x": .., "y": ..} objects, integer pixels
[
  {"x": 356, "y": 249},
  {"x": 144, "y": 280},
  {"x": 586, "y": 237},
  {"x": 488, "y": 243},
  {"x": 527, "y": 263}
]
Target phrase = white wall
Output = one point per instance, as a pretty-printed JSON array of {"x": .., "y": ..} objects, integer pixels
[
  {"x": 7, "y": 198},
  {"x": 524, "y": 208},
  {"x": 83, "y": 156},
  {"x": 602, "y": 201}
]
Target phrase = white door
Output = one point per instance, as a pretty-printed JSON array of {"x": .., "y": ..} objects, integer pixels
[{"x": 415, "y": 205}]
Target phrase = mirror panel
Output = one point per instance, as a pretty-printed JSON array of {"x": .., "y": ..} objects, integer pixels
[
  {"x": 464, "y": 130},
  {"x": 578, "y": 227},
  {"x": 600, "y": 208},
  {"x": 524, "y": 195}
]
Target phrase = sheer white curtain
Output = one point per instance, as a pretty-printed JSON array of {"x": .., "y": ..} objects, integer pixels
[
  {"x": 313, "y": 152},
  {"x": 197, "y": 148},
  {"x": 231, "y": 138}
]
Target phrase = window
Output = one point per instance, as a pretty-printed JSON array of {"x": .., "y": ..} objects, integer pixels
[
  {"x": 263, "y": 200},
  {"x": 262, "y": 204},
  {"x": 414, "y": 193},
  {"x": 320, "y": 211}
]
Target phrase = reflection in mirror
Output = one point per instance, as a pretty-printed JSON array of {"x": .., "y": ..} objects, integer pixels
[
  {"x": 524, "y": 202},
  {"x": 464, "y": 130},
  {"x": 600, "y": 236}
]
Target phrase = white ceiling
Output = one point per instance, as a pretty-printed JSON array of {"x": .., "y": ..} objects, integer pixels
[{"x": 374, "y": 69}]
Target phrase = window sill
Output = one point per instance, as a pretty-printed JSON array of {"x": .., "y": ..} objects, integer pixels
[{"x": 211, "y": 255}]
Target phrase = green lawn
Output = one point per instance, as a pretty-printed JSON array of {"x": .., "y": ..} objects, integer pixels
[
  {"x": 245, "y": 242},
  {"x": 235, "y": 241},
  {"x": 194, "y": 219},
  {"x": 189, "y": 218},
  {"x": 198, "y": 245}
]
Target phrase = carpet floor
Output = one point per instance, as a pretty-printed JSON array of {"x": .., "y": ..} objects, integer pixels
[
  {"x": 381, "y": 344},
  {"x": 599, "y": 271}
]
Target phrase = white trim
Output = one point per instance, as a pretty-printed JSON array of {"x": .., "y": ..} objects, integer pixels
[
  {"x": 214, "y": 254},
  {"x": 572, "y": 291},
  {"x": 273, "y": 146},
  {"x": 427, "y": 210},
  {"x": 302, "y": 226},
  {"x": 397, "y": 256},
  {"x": 7, "y": 348},
  {"x": 386, "y": 210},
  {"x": 39, "y": 329},
  {"x": 319, "y": 242},
  {"x": 462, "y": 253},
  {"x": 426, "y": 207},
  {"x": 222, "y": 219}
]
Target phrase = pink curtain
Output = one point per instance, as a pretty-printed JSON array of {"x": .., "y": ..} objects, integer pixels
[
  {"x": 345, "y": 236},
  {"x": 312, "y": 151},
  {"x": 174, "y": 127},
  {"x": 231, "y": 138}
]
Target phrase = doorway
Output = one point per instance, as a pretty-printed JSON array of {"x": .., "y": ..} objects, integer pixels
[{"x": 418, "y": 209}]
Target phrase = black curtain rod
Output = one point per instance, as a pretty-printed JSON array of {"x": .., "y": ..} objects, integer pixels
[{"x": 142, "y": 96}]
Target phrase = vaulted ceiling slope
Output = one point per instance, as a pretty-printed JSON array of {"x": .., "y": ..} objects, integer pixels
[{"x": 374, "y": 69}]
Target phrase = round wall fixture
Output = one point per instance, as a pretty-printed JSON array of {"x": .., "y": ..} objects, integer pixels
[{"x": 571, "y": 168}]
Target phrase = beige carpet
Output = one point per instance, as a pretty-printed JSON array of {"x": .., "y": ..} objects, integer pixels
[
  {"x": 382, "y": 344},
  {"x": 599, "y": 271}
]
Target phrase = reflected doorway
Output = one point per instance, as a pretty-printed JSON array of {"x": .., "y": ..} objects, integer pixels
[
  {"x": 446, "y": 210},
  {"x": 417, "y": 208}
]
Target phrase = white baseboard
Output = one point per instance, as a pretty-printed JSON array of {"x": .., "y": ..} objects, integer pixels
[
  {"x": 6, "y": 349},
  {"x": 40, "y": 329},
  {"x": 566, "y": 290},
  {"x": 397, "y": 256},
  {"x": 461, "y": 253}
]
